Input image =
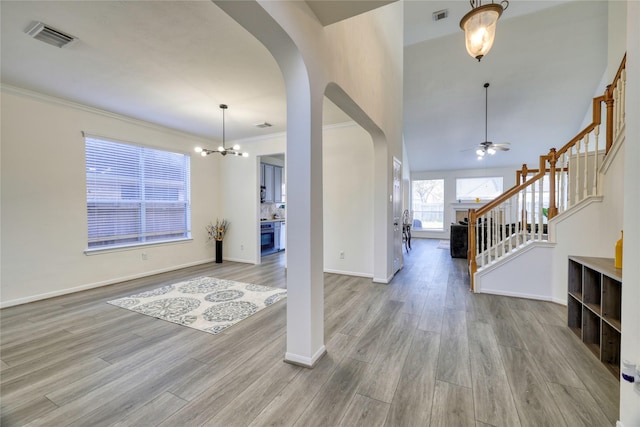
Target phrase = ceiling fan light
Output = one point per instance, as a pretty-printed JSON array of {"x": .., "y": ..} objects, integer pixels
[
  {"x": 480, "y": 152},
  {"x": 479, "y": 27},
  {"x": 491, "y": 151}
]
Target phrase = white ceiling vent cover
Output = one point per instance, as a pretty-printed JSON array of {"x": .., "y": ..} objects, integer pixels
[
  {"x": 441, "y": 14},
  {"x": 50, "y": 35}
]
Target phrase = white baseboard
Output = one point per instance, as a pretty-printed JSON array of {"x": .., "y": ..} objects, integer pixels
[
  {"x": 307, "y": 362},
  {"x": 240, "y": 260},
  {"x": 524, "y": 295},
  {"x": 348, "y": 273},
  {"x": 383, "y": 280},
  {"x": 85, "y": 287}
]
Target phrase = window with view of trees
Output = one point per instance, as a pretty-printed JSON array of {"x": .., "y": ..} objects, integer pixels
[
  {"x": 135, "y": 195},
  {"x": 427, "y": 203},
  {"x": 483, "y": 188}
]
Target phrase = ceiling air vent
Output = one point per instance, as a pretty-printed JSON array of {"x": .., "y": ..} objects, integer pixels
[
  {"x": 47, "y": 34},
  {"x": 264, "y": 125},
  {"x": 441, "y": 14}
]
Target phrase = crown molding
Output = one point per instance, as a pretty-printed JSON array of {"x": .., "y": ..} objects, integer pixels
[{"x": 16, "y": 90}]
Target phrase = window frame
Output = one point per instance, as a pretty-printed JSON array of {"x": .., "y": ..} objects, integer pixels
[
  {"x": 473, "y": 198},
  {"x": 159, "y": 191}
]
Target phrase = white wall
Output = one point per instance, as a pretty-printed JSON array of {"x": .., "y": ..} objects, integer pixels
[
  {"x": 347, "y": 155},
  {"x": 616, "y": 38},
  {"x": 533, "y": 282},
  {"x": 616, "y": 48},
  {"x": 44, "y": 224},
  {"x": 508, "y": 180},
  {"x": 630, "y": 396}
]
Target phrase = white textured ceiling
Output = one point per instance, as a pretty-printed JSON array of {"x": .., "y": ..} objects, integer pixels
[{"x": 173, "y": 62}]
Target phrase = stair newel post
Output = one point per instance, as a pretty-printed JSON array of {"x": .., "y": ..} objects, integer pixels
[
  {"x": 608, "y": 100},
  {"x": 553, "y": 208},
  {"x": 523, "y": 174},
  {"x": 471, "y": 247}
]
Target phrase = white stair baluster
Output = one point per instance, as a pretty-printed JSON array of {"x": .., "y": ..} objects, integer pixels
[
  {"x": 523, "y": 215},
  {"x": 503, "y": 214},
  {"x": 510, "y": 216},
  {"x": 540, "y": 207},
  {"x": 561, "y": 187},
  {"x": 576, "y": 182},
  {"x": 596, "y": 166},
  {"x": 585, "y": 180},
  {"x": 533, "y": 212},
  {"x": 623, "y": 92}
]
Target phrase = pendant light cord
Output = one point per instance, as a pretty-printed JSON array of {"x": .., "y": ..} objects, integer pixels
[
  {"x": 223, "y": 135},
  {"x": 486, "y": 108}
]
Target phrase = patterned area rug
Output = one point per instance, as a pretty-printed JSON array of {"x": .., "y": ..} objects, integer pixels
[
  {"x": 443, "y": 244},
  {"x": 205, "y": 303}
]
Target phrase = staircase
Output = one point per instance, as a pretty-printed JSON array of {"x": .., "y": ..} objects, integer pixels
[{"x": 566, "y": 180}]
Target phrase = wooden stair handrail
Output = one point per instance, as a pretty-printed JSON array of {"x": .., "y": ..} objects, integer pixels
[
  {"x": 608, "y": 99},
  {"x": 622, "y": 66},
  {"x": 597, "y": 112}
]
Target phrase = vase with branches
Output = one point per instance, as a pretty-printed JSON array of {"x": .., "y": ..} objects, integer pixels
[{"x": 216, "y": 233}]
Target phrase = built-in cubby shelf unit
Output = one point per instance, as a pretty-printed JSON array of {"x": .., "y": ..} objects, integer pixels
[{"x": 593, "y": 307}]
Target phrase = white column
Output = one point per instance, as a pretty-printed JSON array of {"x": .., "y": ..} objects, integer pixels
[{"x": 305, "y": 281}]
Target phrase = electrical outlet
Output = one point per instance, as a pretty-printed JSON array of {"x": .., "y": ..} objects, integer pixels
[
  {"x": 341, "y": 254},
  {"x": 145, "y": 256}
]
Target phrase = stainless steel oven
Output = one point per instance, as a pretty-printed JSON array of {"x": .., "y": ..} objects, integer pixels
[{"x": 267, "y": 238}]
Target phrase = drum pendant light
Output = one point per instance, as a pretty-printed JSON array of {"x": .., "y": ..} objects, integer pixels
[{"x": 479, "y": 26}]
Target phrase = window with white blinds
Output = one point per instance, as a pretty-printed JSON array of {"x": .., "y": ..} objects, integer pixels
[{"x": 135, "y": 195}]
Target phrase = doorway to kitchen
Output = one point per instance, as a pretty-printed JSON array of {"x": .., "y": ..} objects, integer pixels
[{"x": 272, "y": 204}]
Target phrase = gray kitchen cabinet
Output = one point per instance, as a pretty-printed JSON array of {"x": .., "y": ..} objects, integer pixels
[
  {"x": 268, "y": 182},
  {"x": 272, "y": 177},
  {"x": 277, "y": 184}
]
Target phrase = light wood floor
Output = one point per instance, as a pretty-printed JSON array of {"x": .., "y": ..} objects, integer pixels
[{"x": 422, "y": 351}]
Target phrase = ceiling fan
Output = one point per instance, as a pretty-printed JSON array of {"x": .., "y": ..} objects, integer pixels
[{"x": 488, "y": 147}]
